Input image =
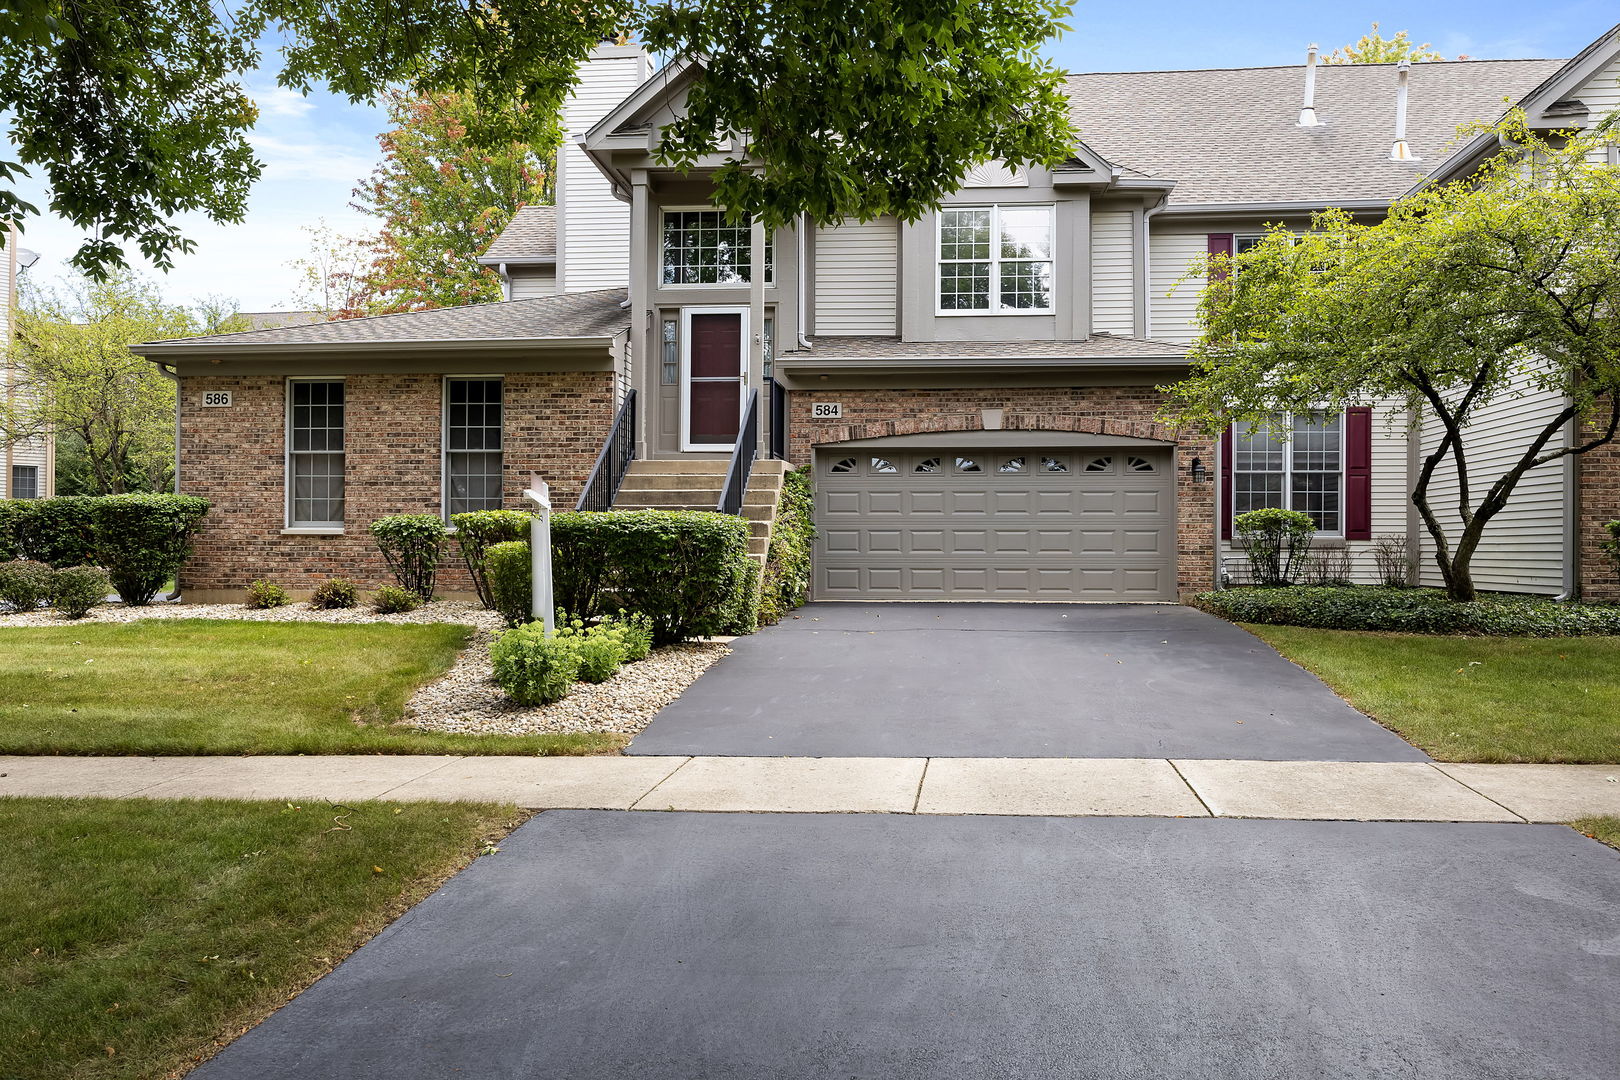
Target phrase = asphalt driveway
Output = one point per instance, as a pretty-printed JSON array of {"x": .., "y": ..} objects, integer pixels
[
  {"x": 719, "y": 946},
  {"x": 1013, "y": 680}
]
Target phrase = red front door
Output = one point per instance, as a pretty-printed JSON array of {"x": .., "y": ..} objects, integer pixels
[{"x": 714, "y": 391}]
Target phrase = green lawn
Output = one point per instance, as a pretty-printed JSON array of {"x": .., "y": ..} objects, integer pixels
[
  {"x": 139, "y": 935},
  {"x": 1474, "y": 699},
  {"x": 1606, "y": 829},
  {"x": 208, "y": 686}
]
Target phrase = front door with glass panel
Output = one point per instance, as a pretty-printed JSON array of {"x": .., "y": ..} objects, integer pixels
[{"x": 712, "y": 376}]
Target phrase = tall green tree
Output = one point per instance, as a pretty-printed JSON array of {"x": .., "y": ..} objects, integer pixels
[
  {"x": 1375, "y": 48},
  {"x": 111, "y": 410},
  {"x": 133, "y": 110},
  {"x": 1466, "y": 294},
  {"x": 441, "y": 199}
]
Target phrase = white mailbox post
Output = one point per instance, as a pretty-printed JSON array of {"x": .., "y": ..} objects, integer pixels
[{"x": 540, "y": 603}]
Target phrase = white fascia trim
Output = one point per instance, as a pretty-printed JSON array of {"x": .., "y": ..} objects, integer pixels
[{"x": 524, "y": 260}]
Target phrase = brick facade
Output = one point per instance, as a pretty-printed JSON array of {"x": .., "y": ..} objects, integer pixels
[
  {"x": 554, "y": 424},
  {"x": 1123, "y": 411},
  {"x": 1599, "y": 472}
]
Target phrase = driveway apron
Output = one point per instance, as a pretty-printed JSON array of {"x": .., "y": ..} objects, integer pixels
[{"x": 1013, "y": 680}]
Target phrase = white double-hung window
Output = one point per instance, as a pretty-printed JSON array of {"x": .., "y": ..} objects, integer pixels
[
  {"x": 996, "y": 259},
  {"x": 473, "y": 453},
  {"x": 1294, "y": 462},
  {"x": 315, "y": 425}
]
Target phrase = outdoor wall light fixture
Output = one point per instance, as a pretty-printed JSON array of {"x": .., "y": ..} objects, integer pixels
[{"x": 1199, "y": 473}]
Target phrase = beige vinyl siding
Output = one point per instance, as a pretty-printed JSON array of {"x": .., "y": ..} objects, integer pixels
[
  {"x": 594, "y": 241},
  {"x": 1172, "y": 314},
  {"x": 35, "y": 452},
  {"x": 1601, "y": 96},
  {"x": 528, "y": 282},
  {"x": 857, "y": 278},
  {"x": 1113, "y": 280},
  {"x": 1522, "y": 549}
]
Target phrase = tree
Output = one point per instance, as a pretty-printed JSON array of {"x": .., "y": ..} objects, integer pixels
[
  {"x": 76, "y": 378},
  {"x": 442, "y": 200},
  {"x": 1374, "y": 48},
  {"x": 134, "y": 112},
  {"x": 335, "y": 278},
  {"x": 1467, "y": 292}
]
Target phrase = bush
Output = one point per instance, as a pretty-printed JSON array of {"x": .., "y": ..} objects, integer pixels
[
  {"x": 1277, "y": 543},
  {"x": 787, "y": 566},
  {"x": 480, "y": 530},
  {"x": 77, "y": 589},
  {"x": 393, "y": 600},
  {"x": 143, "y": 540},
  {"x": 741, "y": 614},
  {"x": 510, "y": 580},
  {"x": 335, "y": 593},
  {"x": 601, "y": 647},
  {"x": 1394, "y": 566},
  {"x": 635, "y": 633},
  {"x": 1412, "y": 611},
  {"x": 532, "y": 667},
  {"x": 25, "y": 584},
  {"x": 1612, "y": 545},
  {"x": 12, "y": 513},
  {"x": 59, "y": 531},
  {"x": 413, "y": 546},
  {"x": 262, "y": 595}
]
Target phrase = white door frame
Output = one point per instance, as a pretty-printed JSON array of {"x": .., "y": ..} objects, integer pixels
[{"x": 686, "y": 372}]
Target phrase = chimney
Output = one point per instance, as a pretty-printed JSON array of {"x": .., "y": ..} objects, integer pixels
[
  {"x": 1400, "y": 151},
  {"x": 593, "y": 227},
  {"x": 1307, "y": 113}
]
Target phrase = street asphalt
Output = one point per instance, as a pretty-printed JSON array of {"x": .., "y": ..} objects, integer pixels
[
  {"x": 678, "y": 946},
  {"x": 1013, "y": 680}
]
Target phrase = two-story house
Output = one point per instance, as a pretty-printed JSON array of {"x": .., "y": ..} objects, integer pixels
[
  {"x": 976, "y": 391},
  {"x": 29, "y": 467}
]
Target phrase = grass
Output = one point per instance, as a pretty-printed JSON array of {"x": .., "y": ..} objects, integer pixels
[
  {"x": 207, "y": 686},
  {"x": 139, "y": 935},
  {"x": 1474, "y": 699},
  {"x": 1605, "y": 829}
]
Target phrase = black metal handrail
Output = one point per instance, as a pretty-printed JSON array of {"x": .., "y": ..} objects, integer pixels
[
  {"x": 618, "y": 451},
  {"x": 742, "y": 458}
]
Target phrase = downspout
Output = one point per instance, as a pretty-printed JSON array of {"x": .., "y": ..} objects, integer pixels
[
  {"x": 1572, "y": 514},
  {"x": 804, "y": 292},
  {"x": 173, "y": 376}
]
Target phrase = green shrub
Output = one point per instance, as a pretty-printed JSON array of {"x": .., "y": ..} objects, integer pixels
[
  {"x": 601, "y": 647},
  {"x": 143, "y": 540},
  {"x": 480, "y": 530},
  {"x": 12, "y": 513},
  {"x": 741, "y": 614},
  {"x": 59, "y": 531},
  {"x": 1612, "y": 545},
  {"x": 335, "y": 593},
  {"x": 1412, "y": 611},
  {"x": 532, "y": 667},
  {"x": 413, "y": 547},
  {"x": 24, "y": 584},
  {"x": 510, "y": 580},
  {"x": 787, "y": 565},
  {"x": 75, "y": 590},
  {"x": 262, "y": 595},
  {"x": 635, "y": 632},
  {"x": 682, "y": 568},
  {"x": 393, "y": 600},
  {"x": 1277, "y": 543}
]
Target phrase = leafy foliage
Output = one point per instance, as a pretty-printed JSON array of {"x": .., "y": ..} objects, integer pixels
[
  {"x": 58, "y": 532},
  {"x": 135, "y": 112},
  {"x": 263, "y": 595},
  {"x": 1467, "y": 292},
  {"x": 335, "y": 593},
  {"x": 143, "y": 540},
  {"x": 24, "y": 584},
  {"x": 76, "y": 590},
  {"x": 394, "y": 600},
  {"x": 601, "y": 648},
  {"x": 1411, "y": 611},
  {"x": 535, "y": 668},
  {"x": 635, "y": 631},
  {"x": 12, "y": 514},
  {"x": 509, "y": 576},
  {"x": 1277, "y": 543},
  {"x": 786, "y": 582},
  {"x": 476, "y": 532},
  {"x": 1375, "y": 48},
  {"x": 413, "y": 546},
  {"x": 1612, "y": 545}
]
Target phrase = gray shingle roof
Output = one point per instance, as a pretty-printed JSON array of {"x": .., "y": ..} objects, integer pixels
[
  {"x": 1231, "y": 135},
  {"x": 569, "y": 315},
  {"x": 531, "y": 234},
  {"x": 888, "y": 348}
]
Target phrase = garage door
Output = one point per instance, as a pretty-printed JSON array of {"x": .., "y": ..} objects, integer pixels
[{"x": 1013, "y": 524}]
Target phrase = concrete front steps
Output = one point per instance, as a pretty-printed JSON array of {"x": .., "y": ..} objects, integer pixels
[{"x": 694, "y": 484}]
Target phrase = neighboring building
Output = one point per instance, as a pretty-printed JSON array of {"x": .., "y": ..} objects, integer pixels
[
  {"x": 976, "y": 391},
  {"x": 29, "y": 466}
]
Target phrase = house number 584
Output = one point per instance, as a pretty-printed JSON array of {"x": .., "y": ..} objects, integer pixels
[{"x": 827, "y": 410}]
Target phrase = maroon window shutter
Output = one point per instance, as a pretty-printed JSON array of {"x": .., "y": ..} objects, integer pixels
[
  {"x": 1226, "y": 484},
  {"x": 1358, "y": 473},
  {"x": 1220, "y": 244}
]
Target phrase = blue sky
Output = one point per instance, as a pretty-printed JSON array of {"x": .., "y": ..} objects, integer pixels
[{"x": 315, "y": 149}]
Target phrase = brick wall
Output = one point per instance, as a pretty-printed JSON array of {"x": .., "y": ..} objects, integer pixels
[
  {"x": 234, "y": 457},
  {"x": 1599, "y": 472},
  {"x": 1123, "y": 411}
]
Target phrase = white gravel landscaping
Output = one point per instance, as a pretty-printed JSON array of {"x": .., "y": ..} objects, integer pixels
[{"x": 466, "y": 700}]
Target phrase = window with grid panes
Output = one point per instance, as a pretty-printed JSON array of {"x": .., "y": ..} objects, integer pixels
[
  {"x": 472, "y": 445},
  {"x": 1294, "y": 462},
  {"x": 701, "y": 248},
  {"x": 996, "y": 259},
  {"x": 315, "y": 454}
]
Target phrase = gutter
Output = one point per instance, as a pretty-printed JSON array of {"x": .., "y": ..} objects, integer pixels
[
  {"x": 1288, "y": 207},
  {"x": 522, "y": 260},
  {"x": 803, "y": 326},
  {"x": 154, "y": 349},
  {"x": 1572, "y": 515}
]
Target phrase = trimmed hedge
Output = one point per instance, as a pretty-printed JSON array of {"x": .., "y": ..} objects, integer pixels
[
  {"x": 142, "y": 540},
  {"x": 481, "y": 530},
  {"x": 58, "y": 532},
  {"x": 787, "y": 566},
  {"x": 1410, "y": 611},
  {"x": 413, "y": 547},
  {"x": 75, "y": 590}
]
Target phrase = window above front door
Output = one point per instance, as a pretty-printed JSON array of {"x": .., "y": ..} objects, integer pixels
[{"x": 701, "y": 248}]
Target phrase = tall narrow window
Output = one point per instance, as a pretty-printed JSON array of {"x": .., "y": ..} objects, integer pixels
[
  {"x": 25, "y": 481},
  {"x": 996, "y": 259},
  {"x": 672, "y": 354},
  {"x": 472, "y": 445},
  {"x": 315, "y": 454},
  {"x": 1293, "y": 463}
]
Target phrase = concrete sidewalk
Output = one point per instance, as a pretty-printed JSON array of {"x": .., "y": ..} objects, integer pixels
[{"x": 1058, "y": 787}]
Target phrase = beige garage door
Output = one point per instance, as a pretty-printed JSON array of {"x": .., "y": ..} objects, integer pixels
[{"x": 1008, "y": 524}]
